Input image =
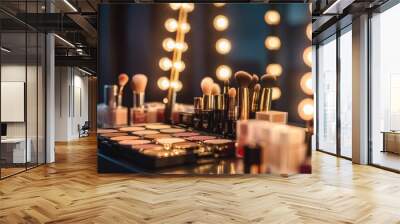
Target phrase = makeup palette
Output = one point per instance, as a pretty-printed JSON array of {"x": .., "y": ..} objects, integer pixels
[
  {"x": 156, "y": 146},
  {"x": 172, "y": 130},
  {"x": 132, "y": 129}
]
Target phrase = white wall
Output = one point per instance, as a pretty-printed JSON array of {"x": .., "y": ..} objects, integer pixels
[{"x": 71, "y": 102}]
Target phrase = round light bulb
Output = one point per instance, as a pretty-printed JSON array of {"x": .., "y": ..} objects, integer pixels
[
  {"x": 163, "y": 83},
  {"x": 188, "y": 7},
  {"x": 165, "y": 100},
  {"x": 307, "y": 56},
  {"x": 306, "y": 83},
  {"x": 176, "y": 85},
  {"x": 168, "y": 44},
  {"x": 309, "y": 31},
  {"x": 223, "y": 46},
  {"x": 185, "y": 27},
  {"x": 181, "y": 46},
  {"x": 165, "y": 64},
  {"x": 276, "y": 93},
  {"x": 306, "y": 109},
  {"x": 272, "y": 43},
  {"x": 175, "y": 6},
  {"x": 221, "y": 22},
  {"x": 274, "y": 69},
  {"x": 219, "y": 4},
  {"x": 272, "y": 17},
  {"x": 171, "y": 25},
  {"x": 223, "y": 72},
  {"x": 179, "y": 66}
]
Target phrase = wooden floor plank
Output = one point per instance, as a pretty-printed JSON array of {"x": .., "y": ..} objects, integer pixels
[{"x": 71, "y": 191}]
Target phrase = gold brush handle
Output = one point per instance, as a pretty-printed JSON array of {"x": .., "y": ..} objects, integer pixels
[{"x": 244, "y": 109}]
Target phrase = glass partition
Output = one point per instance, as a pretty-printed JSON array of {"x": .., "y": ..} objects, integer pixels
[
  {"x": 385, "y": 89},
  {"x": 346, "y": 93},
  {"x": 327, "y": 96}
]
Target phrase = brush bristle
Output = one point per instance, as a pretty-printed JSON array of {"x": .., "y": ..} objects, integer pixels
[
  {"x": 207, "y": 85},
  {"x": 232, "y": 92},
  {"x": 243, "y": 79},
  {"x": 216, "y": 90},
  {"x": 123, "y": 79},
  {"x": 139, "y": 82},
  {"x": 257, "y": 88},
  {"x": 254, "y": 81},
  {"x": 268, "y": 81}
]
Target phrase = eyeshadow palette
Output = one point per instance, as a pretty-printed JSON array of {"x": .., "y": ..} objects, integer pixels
[{"x": 156, "y": 146}]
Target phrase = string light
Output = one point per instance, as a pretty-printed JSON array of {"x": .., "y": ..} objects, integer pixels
[
  {"x": 274, "y": 69},
  {"x": 179, "y": 65},
  {"x": 223, "y": 46},
  {"x": 276, "y": 93},
  {"x": 163, "y": 83},
  {"x": 221, "y": 23},
  {"x": 175, "y": 6},
  {"x": 185, "y": 27},
  {"x": 272, "y": 43},
  {"x": 219, "y": 4},
  {"x": 168, "y": 44},
  {"x": 309, "y": 31},
  {"x": 306, "y": 83},
  {"x": 307, "y": 56},
  {"x": 306, "y": 109},
  {"x": 171, "y": 25},
  {"x": 165, "y": 64},
  {"x": 176, "y": 85},
  {"x": 272, "y": 17},
  {"x": 223, "y": 72}
]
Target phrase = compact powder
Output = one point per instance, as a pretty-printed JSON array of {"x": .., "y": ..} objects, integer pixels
[
  {"x": 133, "y": 142},
  {"x": 156, "y": 136},
  {"x": 169, "y": 141},
  {"x": 113, "y": 134},
  {"x": 103, "y": 131},
  {"x": 132, "y": 129},
  {"x": 145, "y": 132},
  {"x": 218, "y": 141},
  {"x": 122, "y": 138},
  {"x": 185, "y": 145},
  {"x": 186, "y": 134},
  {"x": 200, "y": 138},
  {"x": 147, "y": 147},
  {"x": 172, "y": 130},
  {"x": 157, "y": 126}
]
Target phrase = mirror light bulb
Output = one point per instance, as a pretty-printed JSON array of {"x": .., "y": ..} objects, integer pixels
[
  {"x": 272, "y": 17},
  {"x": 168, "y": 44},
  {"x": 221, "y": 23},
  {"x": 276, "y": 93},
  {"x": 306, "y": 109},
  {"x": 223, "y": 72},
  {"x": 274, "y": 69},
  {"x": 176, "y": 85},
  {"x": 307, "y": 56},
  {"x": 175, "y": 6},
  {"x": 163, "y": 83},
  {"x": 306, "y": 83},
  {"x": 223, "y": 46},
  {"x": 273, "y": 43},
  {"x": 179, "y": 66},
  {"x": 309, "y": 31}
]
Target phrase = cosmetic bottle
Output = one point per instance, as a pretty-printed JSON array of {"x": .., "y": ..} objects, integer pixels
[
  {"x": 110, "y": 114},
  {"x": 207, "y": 112},
  {"x": 219, "y": 111},
  {"x": 197, "y": 105}
]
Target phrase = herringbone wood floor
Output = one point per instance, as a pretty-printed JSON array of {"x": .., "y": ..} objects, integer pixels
[{"x": 71, "y": 191}]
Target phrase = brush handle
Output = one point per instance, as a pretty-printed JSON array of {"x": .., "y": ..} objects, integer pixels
[
  {"x": 243, "y": 103},
  {"x": 138, "y": 99},
  {"x": 266, "y": 99},
  {"x": 208, "y": 102}
]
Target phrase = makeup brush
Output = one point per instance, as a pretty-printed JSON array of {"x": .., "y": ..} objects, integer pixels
[
  {"x": 254, "y": 81},
  {"x": 232, "y": 104},
  {"x": 268, "y": 82},
  {"x": 206, "y": 87},
  {"x": 138, "y": 84},
  {"x": 122, "y": 81},
  {"x": 243, "y": 79},
  {"x": 229, "y": 129},
  {"x": 254, "y": 100},
  {"x": 216, "y": 90}
]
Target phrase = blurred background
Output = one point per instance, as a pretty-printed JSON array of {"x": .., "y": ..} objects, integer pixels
[{"x": 130, "y": 40}]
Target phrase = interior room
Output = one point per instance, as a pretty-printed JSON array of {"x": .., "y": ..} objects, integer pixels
[{"x": 176, "y": 112}]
